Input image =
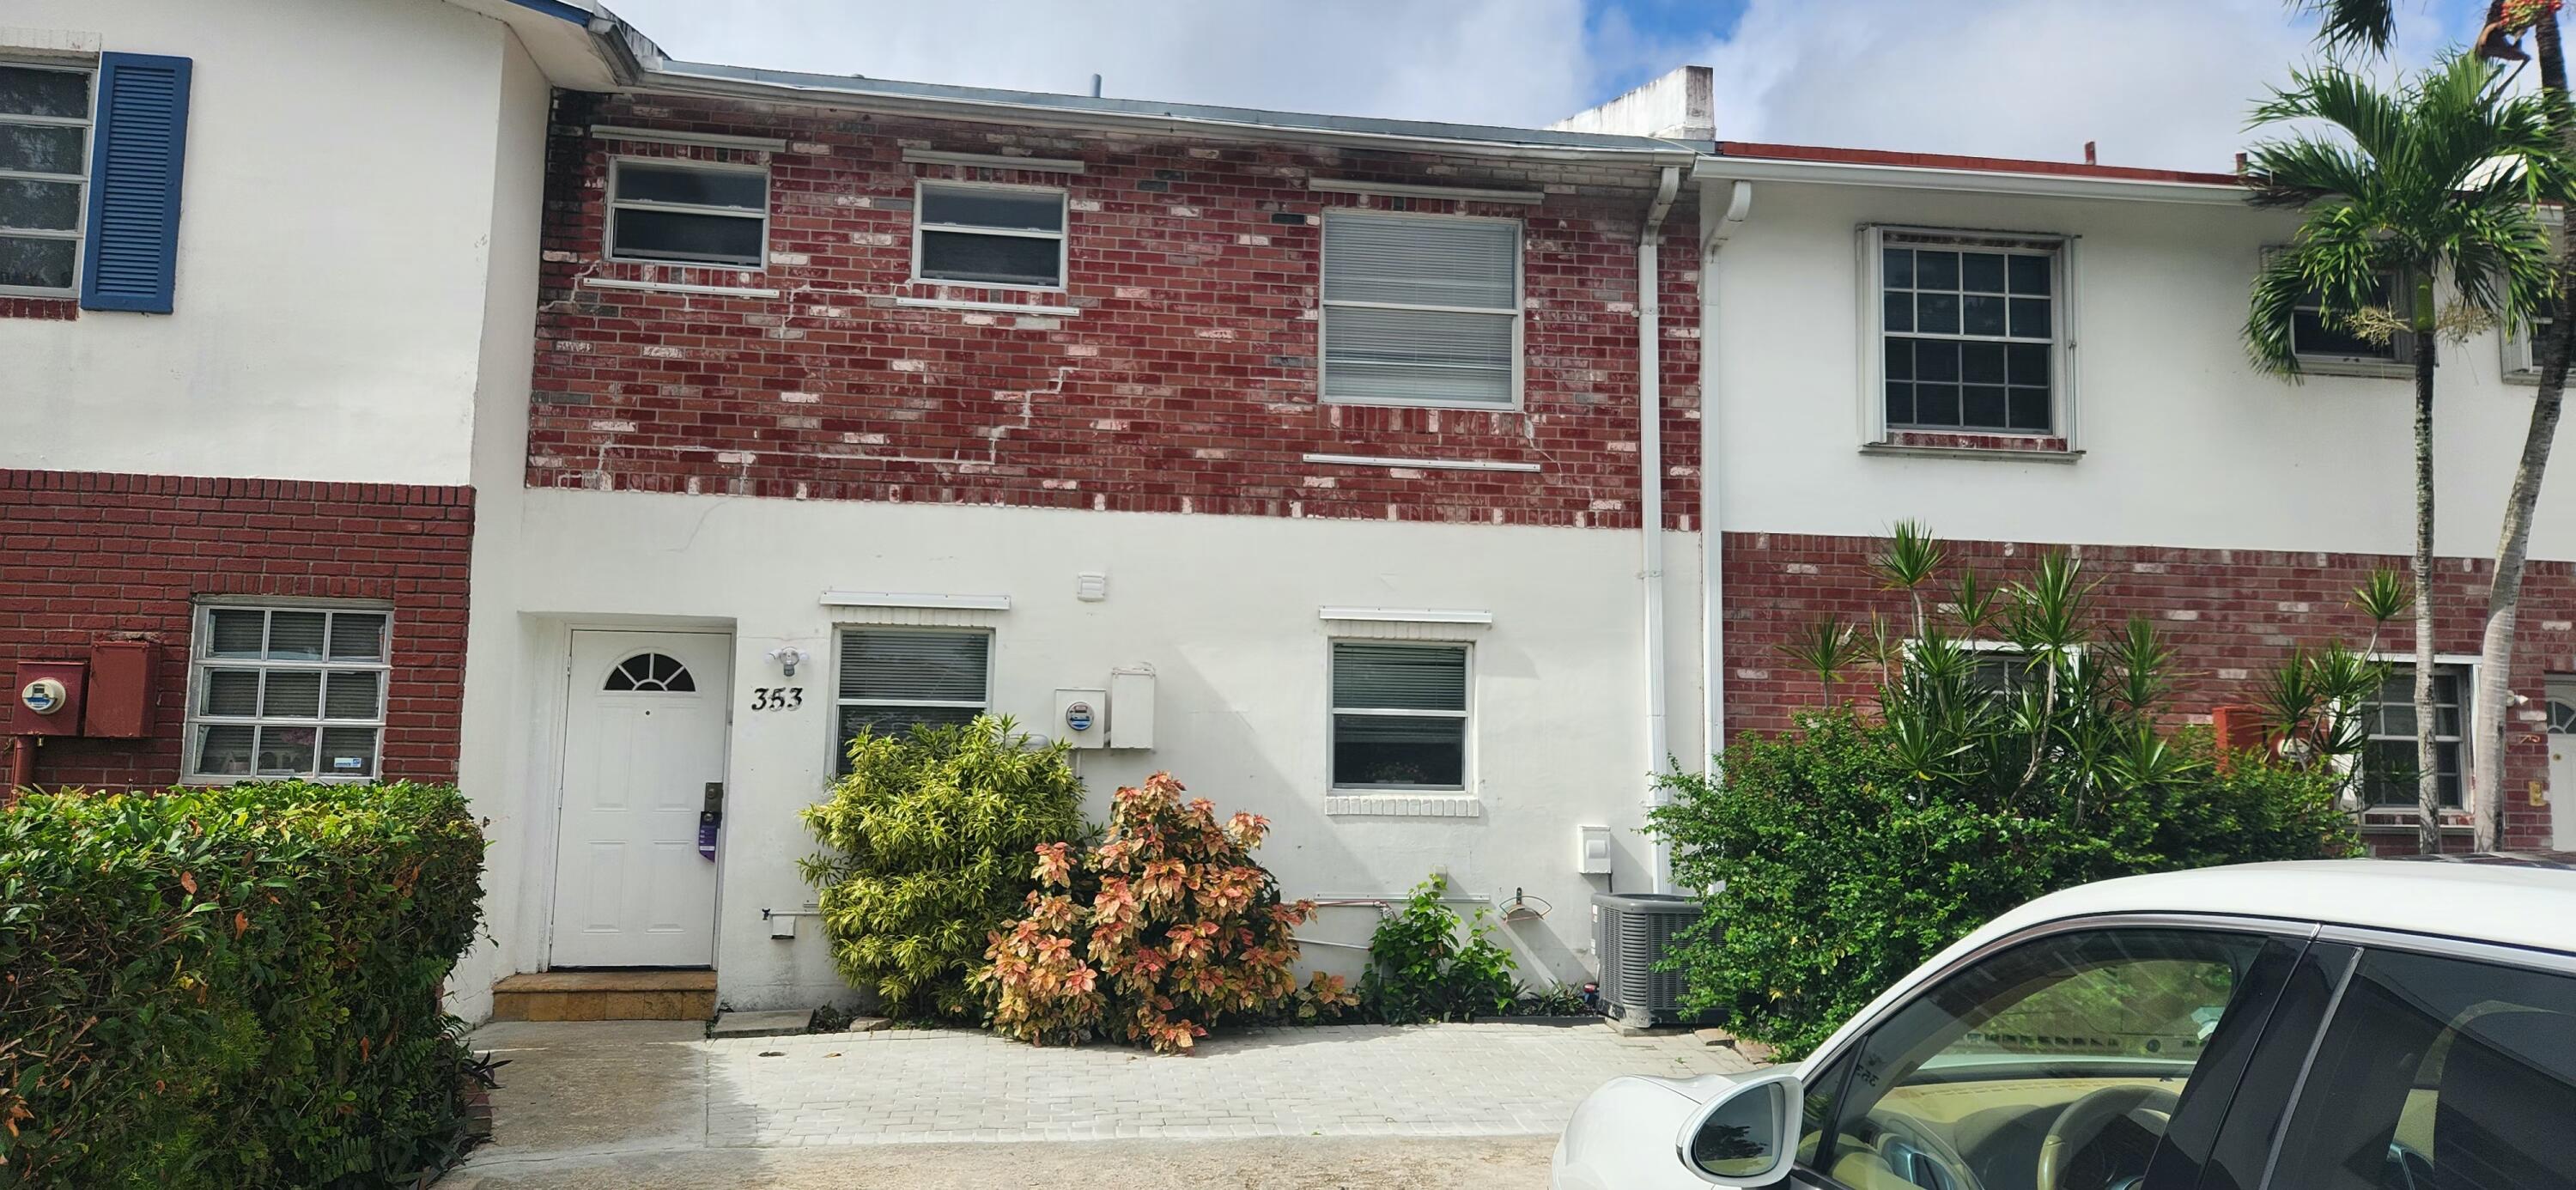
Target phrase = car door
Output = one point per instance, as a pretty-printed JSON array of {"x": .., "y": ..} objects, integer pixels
[
  {"x": 2443, "y": 1066},
  {"x": 2086, "y": 1055}
]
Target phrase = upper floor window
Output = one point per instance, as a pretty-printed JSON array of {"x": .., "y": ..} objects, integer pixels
[
  {"x": 994, "y": 236},
  {"x": 1970, "y": 332},
  {"x": 1422, "y": 310},
  {"x": 2389, "y": 769},
  {"x": 688, "y": 212},
  {"x": 2320, "y": 333},
  {"x": 287, "y": 691},
  {"x": 44, "y": 175}
]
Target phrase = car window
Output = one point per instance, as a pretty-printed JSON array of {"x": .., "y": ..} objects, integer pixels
[
  {"x": 2438, "y": 1074},
  {"x": 2050, "y": 1066}
]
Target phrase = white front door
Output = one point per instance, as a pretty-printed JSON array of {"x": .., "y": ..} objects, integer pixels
[
  {"x": 644, "y": 735},
  {"x": 2562, "y": 766}
]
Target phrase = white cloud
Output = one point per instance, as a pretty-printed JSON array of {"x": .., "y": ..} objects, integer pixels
[
  {"x": 1474, "y": 61},
  {"x": 2165, "y": 84}
]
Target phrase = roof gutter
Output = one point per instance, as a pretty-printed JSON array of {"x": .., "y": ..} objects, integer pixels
[
  {"x": 668, "y": 77},
  {"x": 1909, "y": 177}
]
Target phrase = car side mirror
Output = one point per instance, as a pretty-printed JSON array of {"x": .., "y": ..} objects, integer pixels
[{"x": 1748, "y": 1136}]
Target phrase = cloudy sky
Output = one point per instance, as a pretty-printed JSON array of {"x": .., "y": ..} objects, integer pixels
[{"x": 2157, "y": 82}]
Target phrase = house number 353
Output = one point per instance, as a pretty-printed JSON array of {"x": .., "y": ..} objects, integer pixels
[{"x": 777, "y": 698}]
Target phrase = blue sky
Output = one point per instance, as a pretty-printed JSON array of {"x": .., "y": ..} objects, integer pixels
[{"x": 2156, "y": 82}]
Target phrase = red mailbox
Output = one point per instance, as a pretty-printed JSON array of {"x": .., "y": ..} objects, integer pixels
[{"x": 45, "y": 697}]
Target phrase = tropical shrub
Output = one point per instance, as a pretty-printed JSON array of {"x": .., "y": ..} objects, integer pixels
[
  {"x": 1165, "y": 929},
  {"x": 2012, "y": 749},
  {"x": 232, "y": 987},
  {"x": 1425, "y": 964},
  {"x": 929, "y": 836}
]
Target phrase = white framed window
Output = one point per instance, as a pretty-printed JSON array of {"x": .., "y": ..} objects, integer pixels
[
  {"x": 288, "y": 690},
  {"x": 989, "y": 235},
  {"x": 1400, "y": 716},
  {"x": 895, "y": 679},
  {"x": 2333, "y": 349},
  {"x": 1422, "y": 310},
  {"x": 2388, "y": 768},
  {"x": 1968, "y": 332},
  {"x": 2522, "y": 350},
  {"x": 670, "y": 211},
  {"x": 45, "y": 116}
]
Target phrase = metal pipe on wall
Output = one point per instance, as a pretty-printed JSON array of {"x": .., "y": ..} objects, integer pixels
[
  {"x": 1650, "y": 501},
  {"x": 1714, "y": 235}
]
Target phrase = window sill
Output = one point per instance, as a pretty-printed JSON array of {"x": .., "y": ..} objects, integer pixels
[
  {"x": 1030, "y": 309},
  {"x": 2365, "y": 369},
  {"x": 678, "y": 287},
  {"x": 2027, "y": 448},
  {"x": 1380, "y": 804},
  {"x": 39, "y": 308}
]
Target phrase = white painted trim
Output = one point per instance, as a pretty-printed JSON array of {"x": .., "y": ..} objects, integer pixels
[
  {"x": 1426, "y": 464},
  {"x": 1049, "y": 165},
  {"x": 922, "y": 303},
  {"x": 1405, "y": 805},
  {"x": 708, "y": 139},
  {"x": 1911, "y": 177},
  {"x": 677, "y": 287},
  {"x": 1410, "y": 190},
  {"x": 1063, "y": 235},
  {"x": 614, "y": 205},
  {"x": 1402, "y": 615},
  {"x": 980, "y": 603}
]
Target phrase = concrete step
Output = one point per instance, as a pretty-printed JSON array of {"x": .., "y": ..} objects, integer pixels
[
  {"x": 787, "y": 1023},
  {"x": 628, "y": 995}
]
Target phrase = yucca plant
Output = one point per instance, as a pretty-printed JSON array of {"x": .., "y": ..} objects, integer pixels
[{"x": 2436, "y": 186}]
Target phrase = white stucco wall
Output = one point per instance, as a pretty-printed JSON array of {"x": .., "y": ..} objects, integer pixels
[
  {"x": 2185, "y": 445},
  {"x": 335, "y": 219},
  {"x": 1224, "y": 608}
]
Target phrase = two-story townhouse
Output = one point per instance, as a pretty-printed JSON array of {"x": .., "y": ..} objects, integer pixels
[{"x": 267, "y": 298}]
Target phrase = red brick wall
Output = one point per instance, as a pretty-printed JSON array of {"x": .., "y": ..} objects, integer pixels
[
  {"x": 2231, "y": 616},
  {"x": 87, "y": 556},
  {"x": 1187, "y": 382}
]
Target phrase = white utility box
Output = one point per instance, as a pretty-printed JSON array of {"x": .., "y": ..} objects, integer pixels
[
  {"x": 1131, "y": 699},
  {"x": 1082, "y": 718},
  {"x": 1592, "y": 850}
]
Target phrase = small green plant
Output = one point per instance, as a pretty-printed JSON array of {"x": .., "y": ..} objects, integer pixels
[
  {"x": 1425, "y": 964},
  {"x": 235, "y": 986},
  {"x": 1153, "y": 937},
  {"x": 929, "y": 837}
]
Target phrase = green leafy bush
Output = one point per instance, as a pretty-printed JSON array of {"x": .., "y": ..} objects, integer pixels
[
  {"x": 1154, "y": 936},
  {"x": 2013, "y": 749},
  {"x": 232, "y": 987},
  {"x": 929, "y": 839},
  {"x": 1427, "y": 965}
]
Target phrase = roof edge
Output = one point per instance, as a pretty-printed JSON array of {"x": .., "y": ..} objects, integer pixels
[
  {"x": 1076, "y": 112},
  {"x": 1754, "y": 161}
]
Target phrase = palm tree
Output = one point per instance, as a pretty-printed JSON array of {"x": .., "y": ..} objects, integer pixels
[
  {"x": 2370, "y": 24},
  {"x": 2438, "y": 182}
]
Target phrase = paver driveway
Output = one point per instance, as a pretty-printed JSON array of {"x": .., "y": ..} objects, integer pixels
[{"x": 583, "y": 1092}]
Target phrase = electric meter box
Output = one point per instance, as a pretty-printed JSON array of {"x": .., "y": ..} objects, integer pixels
[
  {"x": 1082, "y": 718},
  {"x": 45, "y": 697}
]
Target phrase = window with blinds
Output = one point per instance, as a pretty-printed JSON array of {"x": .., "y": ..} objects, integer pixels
[
  {"x": 1421, "y": 310},
  {"x": 1399, "y": 716},
  {"x": 896, "y": 679}
]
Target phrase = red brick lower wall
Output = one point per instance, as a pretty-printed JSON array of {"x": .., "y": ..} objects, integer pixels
[
  {"x": 87, "y": 556},
  {"x": 2231, "y": 616}
]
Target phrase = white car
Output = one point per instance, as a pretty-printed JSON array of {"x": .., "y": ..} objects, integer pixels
[{"x": 2331, "y": 1025}]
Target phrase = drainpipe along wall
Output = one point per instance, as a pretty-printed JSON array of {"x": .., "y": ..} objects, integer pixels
[
  {"x": 1715, "y": 231},
  {"x": 1650, "y": 500}
]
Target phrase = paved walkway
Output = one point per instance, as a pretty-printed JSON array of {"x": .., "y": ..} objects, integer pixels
[{"x": 591, "y": 1092}]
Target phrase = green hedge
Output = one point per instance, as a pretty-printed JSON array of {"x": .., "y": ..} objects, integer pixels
[{"x": 232, "y": 987}]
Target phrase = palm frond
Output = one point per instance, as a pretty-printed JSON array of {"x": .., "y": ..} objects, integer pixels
[{"x": 2352, "y": 24}]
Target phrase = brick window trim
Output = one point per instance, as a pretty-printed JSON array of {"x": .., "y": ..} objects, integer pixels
[{"x": 40, "y": 309}]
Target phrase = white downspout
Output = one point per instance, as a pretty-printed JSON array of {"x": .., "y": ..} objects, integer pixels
[
  {"x": 1650, "y": 500},
  {"x": 1714, "y": 234}
]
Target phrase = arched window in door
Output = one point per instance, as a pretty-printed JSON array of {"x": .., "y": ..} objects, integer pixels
[{"x": 651, "y": 673}]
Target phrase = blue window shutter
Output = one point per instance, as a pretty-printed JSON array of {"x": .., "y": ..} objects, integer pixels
[{"x": 131, "y": 257}]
